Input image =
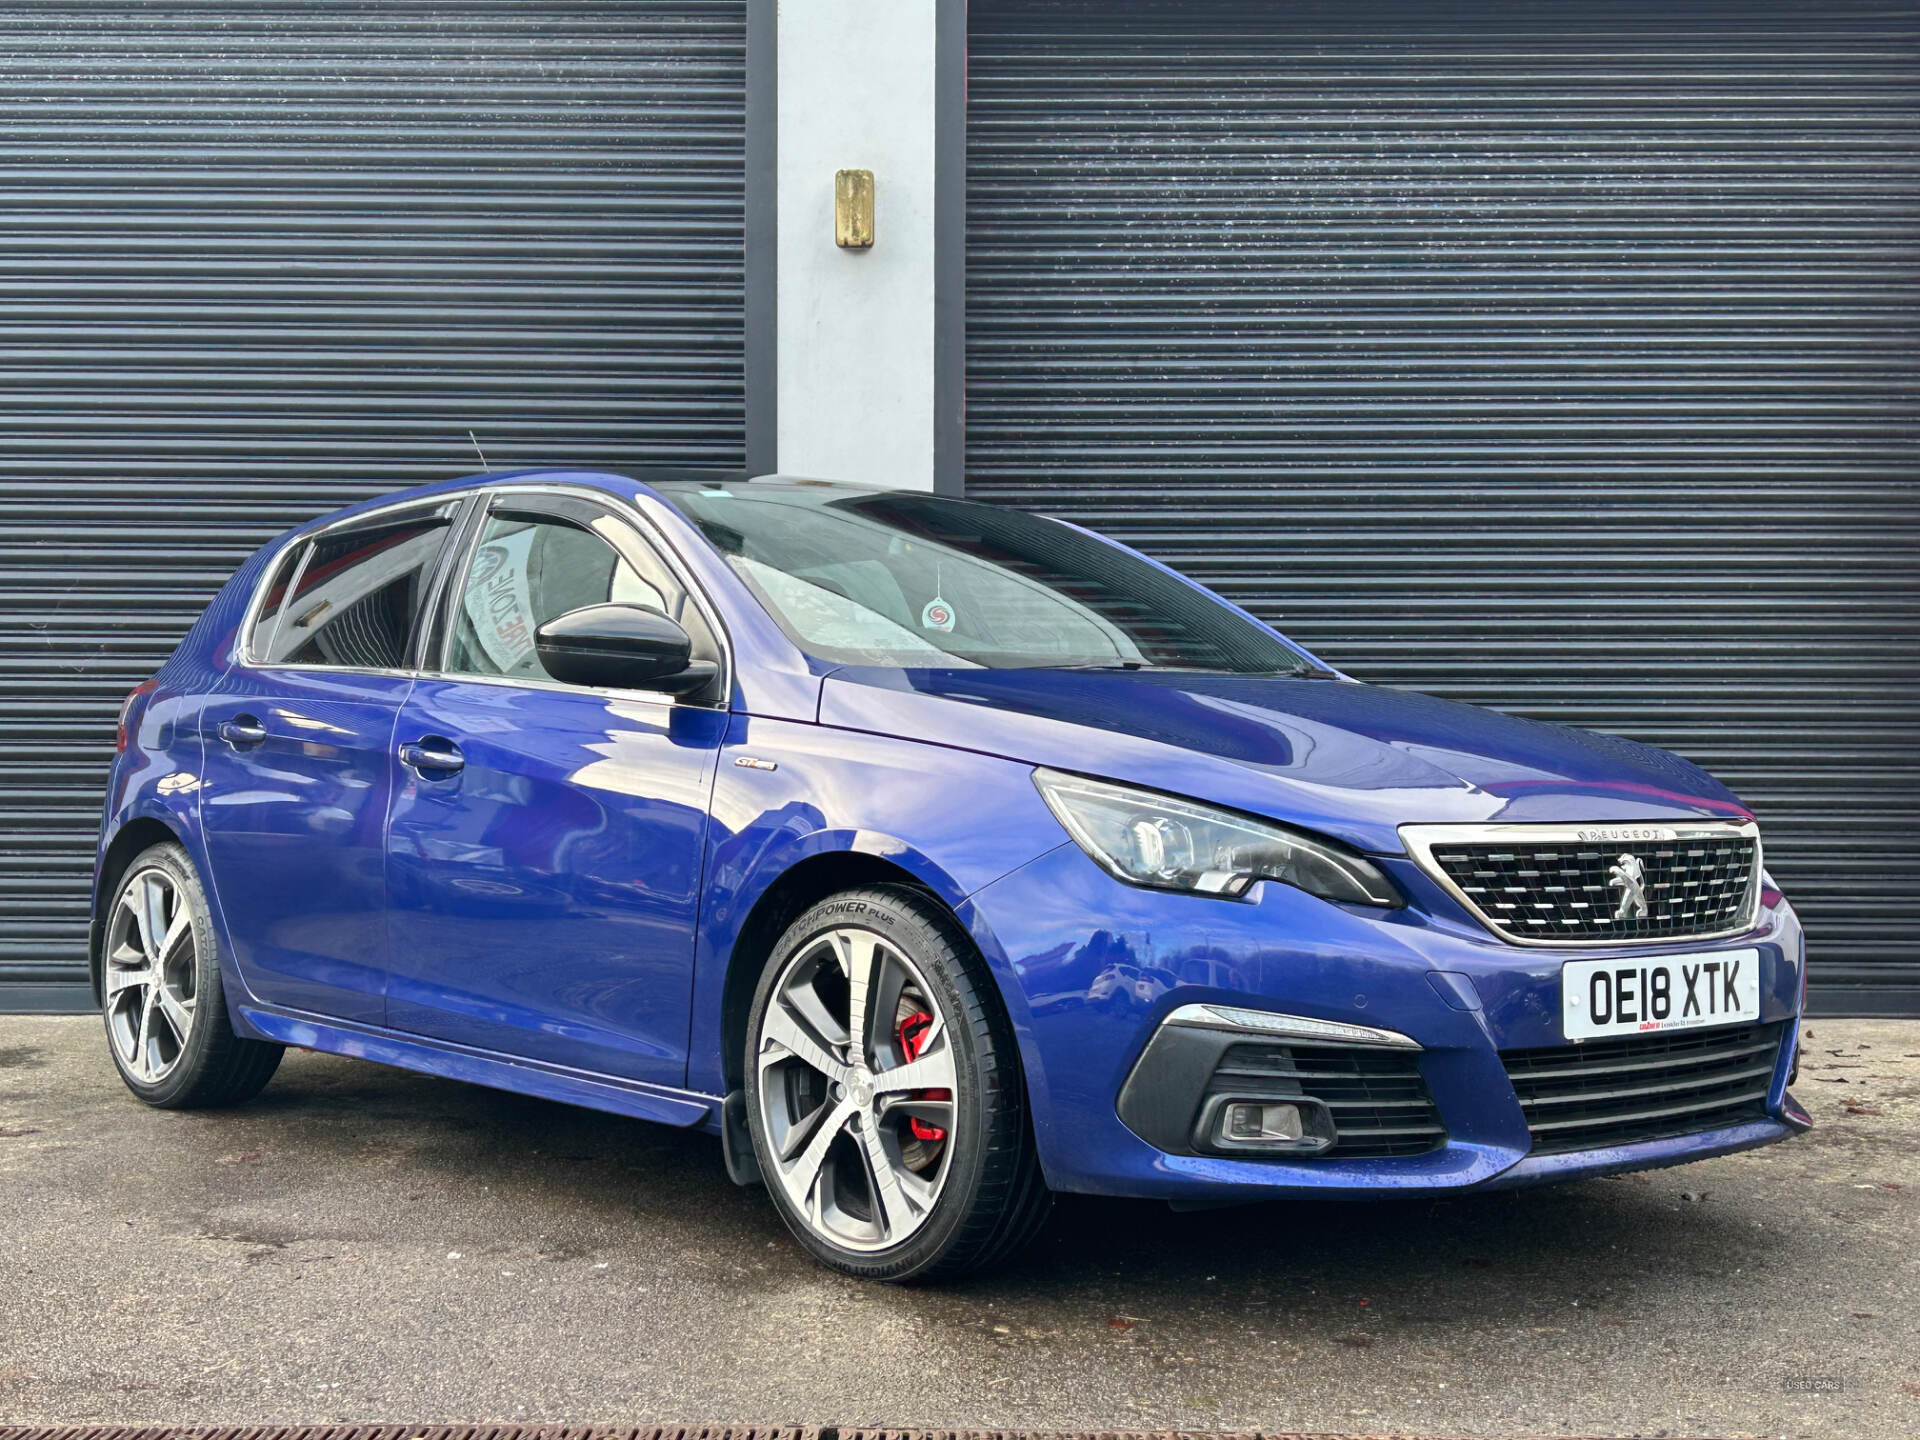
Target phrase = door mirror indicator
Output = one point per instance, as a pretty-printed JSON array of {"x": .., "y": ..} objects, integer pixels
[{"x": 621, "y": 647}]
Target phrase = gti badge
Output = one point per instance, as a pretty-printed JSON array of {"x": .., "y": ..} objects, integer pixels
[{"x": 1629, "y": 877}]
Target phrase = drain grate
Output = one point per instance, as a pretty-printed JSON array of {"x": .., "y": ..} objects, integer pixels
[{"x": 626, "y": 1432}]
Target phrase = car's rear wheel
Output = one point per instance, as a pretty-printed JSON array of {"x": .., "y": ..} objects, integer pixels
[
  {"x": 884, "y": 1092},
  {"x": 161, "y": 996}
]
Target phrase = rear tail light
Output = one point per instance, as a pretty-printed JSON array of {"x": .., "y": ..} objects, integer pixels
[{"x": 127, "y": 707}]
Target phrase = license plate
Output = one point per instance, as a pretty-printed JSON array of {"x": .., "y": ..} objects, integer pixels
[{"x": 1674, "y": 992}]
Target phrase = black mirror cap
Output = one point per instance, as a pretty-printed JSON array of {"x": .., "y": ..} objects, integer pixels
[{"x": 621, "y": 647}]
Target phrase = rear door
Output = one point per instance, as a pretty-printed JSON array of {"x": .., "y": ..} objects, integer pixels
[
  {"x": 299, "y": 761},
  {"x": 546, "y": 840}
]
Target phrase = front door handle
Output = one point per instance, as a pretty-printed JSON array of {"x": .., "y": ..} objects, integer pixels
[
  {"x": 242, "y": 731},
  {"x": 432, "y": 755}
]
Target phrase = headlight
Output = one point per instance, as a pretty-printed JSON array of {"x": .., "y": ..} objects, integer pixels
[{"x": 1166, "y": 844}]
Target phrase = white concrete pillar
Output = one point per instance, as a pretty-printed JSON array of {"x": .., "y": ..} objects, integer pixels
[{"x": 857, "y": 380}]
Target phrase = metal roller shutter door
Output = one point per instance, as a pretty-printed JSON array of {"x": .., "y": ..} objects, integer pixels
[
  {"x": 1563, "y": 365},
  {"x": 261, "y": 259}
]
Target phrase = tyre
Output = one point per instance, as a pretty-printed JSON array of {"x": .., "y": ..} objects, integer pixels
[
  {"x": 161, "y": 995},
  {"x": 885, "y": 1095}
]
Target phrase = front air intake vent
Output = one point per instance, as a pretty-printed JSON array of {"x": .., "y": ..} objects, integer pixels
[
  {"x": 1643, "y": 1087},
  {"x": 1377, "y": 1097}
]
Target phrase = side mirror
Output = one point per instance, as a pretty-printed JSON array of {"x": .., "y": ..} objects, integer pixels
[{"x": 621, "y": 647}]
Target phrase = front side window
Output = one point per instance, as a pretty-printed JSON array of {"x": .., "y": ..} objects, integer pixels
[
  {"x": 357, "y": 600},
  {"x": 529, "y": 569},
  {"x": 904, "y": 578}
]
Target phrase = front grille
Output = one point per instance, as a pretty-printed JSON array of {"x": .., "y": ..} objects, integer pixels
[
  {"x": 1377, "y": 1097},
  {"x": 1643, "y": 1087},
  {"x": 1556, "y": 891}
]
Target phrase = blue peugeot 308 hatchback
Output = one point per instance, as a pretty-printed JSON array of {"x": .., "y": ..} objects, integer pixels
[{"x": 938, "y": 857}]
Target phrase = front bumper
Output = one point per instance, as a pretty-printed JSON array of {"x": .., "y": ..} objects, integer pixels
[{"x": 1092, "y": 968}]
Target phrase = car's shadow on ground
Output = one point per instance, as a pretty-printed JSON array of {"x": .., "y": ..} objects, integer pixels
[{"x": 1531, "y": 1257}]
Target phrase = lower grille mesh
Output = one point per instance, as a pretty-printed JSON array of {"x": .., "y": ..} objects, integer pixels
[
  {"x": 1643, "y": 1087},
  {"x": 1377, "y": 1097}
]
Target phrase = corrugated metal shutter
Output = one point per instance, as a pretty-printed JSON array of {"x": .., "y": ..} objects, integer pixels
[
  {"x": 1564, "y": 364},
  {"x": 260, "y": 259}
]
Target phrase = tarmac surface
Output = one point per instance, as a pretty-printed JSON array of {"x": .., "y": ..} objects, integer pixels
[{"x": 362, "y": 1245}]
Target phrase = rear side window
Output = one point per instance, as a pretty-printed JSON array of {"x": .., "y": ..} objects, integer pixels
[{"x": 360, "y": 595}]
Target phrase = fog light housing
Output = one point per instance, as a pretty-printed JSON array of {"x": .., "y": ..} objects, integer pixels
[
  {"x": 1262, "y": 1124},
  {"x": 1256, "y": 1120}
]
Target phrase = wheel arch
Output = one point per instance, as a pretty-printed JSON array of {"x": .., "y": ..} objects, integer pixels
[
  {"x": 796, "y": 889},
  {"x": 137, "y": 835}
]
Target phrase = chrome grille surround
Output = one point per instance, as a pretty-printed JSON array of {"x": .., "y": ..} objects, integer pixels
[{"x": 1545, "y": 885}]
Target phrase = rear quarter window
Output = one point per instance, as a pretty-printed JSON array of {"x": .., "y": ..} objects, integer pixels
[{"x": 273, "y": 601}]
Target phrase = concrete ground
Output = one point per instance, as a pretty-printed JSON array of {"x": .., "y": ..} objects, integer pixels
[{"x": 365, "y": 1245}]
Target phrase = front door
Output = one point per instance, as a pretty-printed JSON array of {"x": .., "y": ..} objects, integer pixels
[
  {"x": 545, "y": 845},
  {"x": 299, "y": 763}
]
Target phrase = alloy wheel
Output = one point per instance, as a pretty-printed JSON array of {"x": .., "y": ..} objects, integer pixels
[
  {"x": 857, "y": 1088},
  {"x": 150, "y": 982}
]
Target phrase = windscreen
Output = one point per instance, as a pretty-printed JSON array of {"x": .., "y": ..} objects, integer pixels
[{"x": 904, "y": 578}]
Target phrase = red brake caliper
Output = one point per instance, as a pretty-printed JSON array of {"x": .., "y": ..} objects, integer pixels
[{"x": 912, "y": 1034}]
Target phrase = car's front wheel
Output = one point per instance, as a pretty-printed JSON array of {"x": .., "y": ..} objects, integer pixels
[
  {"x": 161, "y": 997},
  {"x": 884, "y": 1092}
]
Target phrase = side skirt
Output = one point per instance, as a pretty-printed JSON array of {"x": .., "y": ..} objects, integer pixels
[{"x": 682, "y": 1108}]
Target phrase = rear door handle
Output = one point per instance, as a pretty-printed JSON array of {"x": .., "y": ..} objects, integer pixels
[
  {"x": 242, "y": 731},
  {"x": 432, "y": 756}
]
